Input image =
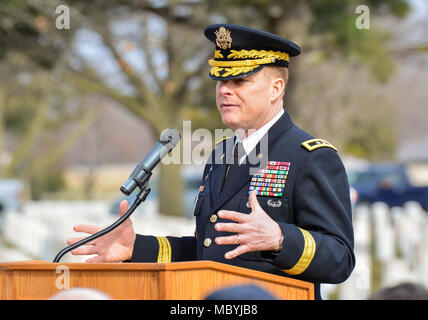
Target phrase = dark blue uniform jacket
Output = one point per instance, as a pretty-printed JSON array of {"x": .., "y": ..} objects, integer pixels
[{"x": 314, "y": 211}]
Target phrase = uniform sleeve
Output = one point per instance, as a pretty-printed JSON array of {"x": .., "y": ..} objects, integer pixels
[
  {"x": 318, "y": 247},
  {"x": 163, "y": 249}
]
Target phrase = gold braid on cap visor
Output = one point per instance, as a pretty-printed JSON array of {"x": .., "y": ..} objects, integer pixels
[{"x": 255, "y": 58}]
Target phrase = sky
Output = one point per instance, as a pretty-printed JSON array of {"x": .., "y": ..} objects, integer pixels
[{"x": 88, "y": 44}]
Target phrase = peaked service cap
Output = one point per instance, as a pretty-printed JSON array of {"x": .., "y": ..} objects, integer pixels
[{"x": 241, "y": 51}]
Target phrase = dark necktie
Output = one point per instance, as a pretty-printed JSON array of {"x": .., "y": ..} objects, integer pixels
[{"x": 238, "y": 153}]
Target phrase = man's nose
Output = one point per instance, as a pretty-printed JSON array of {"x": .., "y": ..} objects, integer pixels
[{"x": 224, "y": 87}]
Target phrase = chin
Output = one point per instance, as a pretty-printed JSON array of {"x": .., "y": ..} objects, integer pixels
[{"x": 230, "y": 123}]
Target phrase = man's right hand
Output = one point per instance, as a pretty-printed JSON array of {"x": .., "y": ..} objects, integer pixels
[{"x": 115, "y": 246}]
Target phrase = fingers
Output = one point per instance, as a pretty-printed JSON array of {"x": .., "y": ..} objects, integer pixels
[
  {"x": 237, "y": 251},
  {"x": 254, "y": 203},
  {"x": 235, "y": 239},
  {"x": 229, "y": 227},
  {"x": 87, "y": 228},
  {"x": 237, "y": 228},
  {"x": 233, "y": 215},
  {"x": 85, "y": 250},
  {"x": 247, "y": 229},
  {"x": 71, "y": 241},
  {"x": 123, "y": 207}
]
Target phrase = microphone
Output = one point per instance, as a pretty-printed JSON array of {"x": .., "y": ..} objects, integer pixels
[
  {"x": 168, "y": 140},
  {"x": 141, "y": 174}
]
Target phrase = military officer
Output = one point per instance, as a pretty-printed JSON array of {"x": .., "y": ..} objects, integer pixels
[{"x": 272, "y": 198}]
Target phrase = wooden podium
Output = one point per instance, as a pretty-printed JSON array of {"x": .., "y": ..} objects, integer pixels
[{"x": 30, "y": 280}]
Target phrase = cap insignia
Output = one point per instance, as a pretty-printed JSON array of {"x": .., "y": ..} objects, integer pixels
[{"x": 223, "y": 39}]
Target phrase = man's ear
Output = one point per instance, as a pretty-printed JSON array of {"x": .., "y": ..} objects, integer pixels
[{"x": 278, "y": 87}]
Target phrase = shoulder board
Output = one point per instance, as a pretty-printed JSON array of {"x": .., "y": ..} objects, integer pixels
[
  {"x": 222, "y": 139},
  {"x": 317, "y": 143}
]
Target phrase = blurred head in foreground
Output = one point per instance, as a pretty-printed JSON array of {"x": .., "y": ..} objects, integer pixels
[
  {"x": 404, "y": 291},
  {"x": 80, "y": 294},
  {"x": 243, "y": 292}
]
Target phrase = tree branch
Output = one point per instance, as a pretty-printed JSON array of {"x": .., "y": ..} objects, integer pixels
[
  {"x": 31, "y": 136},
  {"x": 88, "y": 83},
  {"x": 56, "y": 154},
  {"x": 144, "y": 94}
]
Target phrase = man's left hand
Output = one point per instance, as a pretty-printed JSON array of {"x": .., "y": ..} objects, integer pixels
[{"x": 254, "y": 232}]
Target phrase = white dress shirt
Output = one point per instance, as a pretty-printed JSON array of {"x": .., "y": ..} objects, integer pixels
[{"x": 251, "y": 140}]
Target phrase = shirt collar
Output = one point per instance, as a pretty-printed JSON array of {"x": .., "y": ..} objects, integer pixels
[{"x": 251, "y": 140}]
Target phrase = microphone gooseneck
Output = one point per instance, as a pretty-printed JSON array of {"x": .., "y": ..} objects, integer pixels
[
  {"x": 138, "y": 178},
  {"x": 140, "y": 198}
]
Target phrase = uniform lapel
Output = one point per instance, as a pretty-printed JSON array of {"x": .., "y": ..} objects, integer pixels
[{"x": 219, "y": 169}]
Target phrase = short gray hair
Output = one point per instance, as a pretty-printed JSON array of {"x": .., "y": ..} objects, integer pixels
[{"x": 280, "y": 72}]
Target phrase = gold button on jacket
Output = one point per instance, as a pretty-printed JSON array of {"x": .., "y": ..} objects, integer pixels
[{"x": 207, "y": 242}]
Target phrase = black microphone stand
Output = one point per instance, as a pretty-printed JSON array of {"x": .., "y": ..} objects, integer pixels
[{"x": 142, "y": 195}]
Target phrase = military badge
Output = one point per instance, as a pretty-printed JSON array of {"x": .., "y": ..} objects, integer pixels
[
  {"x": 274, "y": 204},
  {"x": 223, "y": 39},
  {"x": 314, "y": 144},
  {"x": 270, "y": 181}
]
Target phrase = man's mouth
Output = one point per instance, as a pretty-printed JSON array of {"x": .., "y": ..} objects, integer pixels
[{"x": 226, "y": 106}]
